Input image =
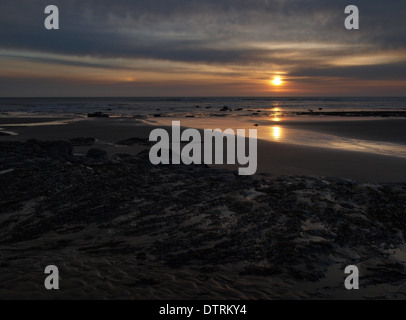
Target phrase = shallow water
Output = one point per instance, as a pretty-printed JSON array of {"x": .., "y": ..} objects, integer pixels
[
  {"x": 316, "y": 139},
  {"x": 277, "y": 132},
  {"x": 270, "y": 114}
]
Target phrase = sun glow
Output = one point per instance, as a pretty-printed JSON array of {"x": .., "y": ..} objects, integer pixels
[
  {"x": 277, "y": 81},
  {"x": 276, "y": 133}
]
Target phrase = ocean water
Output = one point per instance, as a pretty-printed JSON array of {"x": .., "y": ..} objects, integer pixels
[
  {"x": 198, "y": 107},
  {"x": 203, "y": 113}
]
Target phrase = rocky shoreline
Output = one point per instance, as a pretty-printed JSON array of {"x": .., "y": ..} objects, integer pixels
[{"x": 121, "y": 228}]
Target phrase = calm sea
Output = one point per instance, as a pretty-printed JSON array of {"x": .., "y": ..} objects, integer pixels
[{"x": 181, "y": 106}]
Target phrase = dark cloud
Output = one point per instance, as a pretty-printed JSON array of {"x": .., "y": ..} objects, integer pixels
[
  {"x": 189, "y": 29},
  {"x": 215, "y": 32}
]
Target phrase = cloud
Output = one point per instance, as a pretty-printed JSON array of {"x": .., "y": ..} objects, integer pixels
[
  {"x": 189, "y": 29},
  {"x": 272, "y": 35},
  {"x": 391, "y": 71},
  {"x": 63, "y": 62}
]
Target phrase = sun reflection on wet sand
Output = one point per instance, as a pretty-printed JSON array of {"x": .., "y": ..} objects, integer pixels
[
  {"x": 275, "y": 115},
  {"x": 276, "y": 133}
]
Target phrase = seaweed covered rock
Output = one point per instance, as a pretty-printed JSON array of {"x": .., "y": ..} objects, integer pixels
[{"x": 97, "y": 154}]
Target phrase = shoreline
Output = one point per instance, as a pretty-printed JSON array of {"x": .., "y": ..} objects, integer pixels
[
  {"x": 274, "y": 158},
  {"x": 386, "y": 130}
]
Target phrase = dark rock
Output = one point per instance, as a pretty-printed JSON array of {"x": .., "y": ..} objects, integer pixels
[
  {"x": 98, "y": 114},
  {"x": 133, "y": 141},
  {"x": 97, "y": 154},
  {"x": 147, "y": 282},
  {"x": 122, "y": 156},
  {"x": 52, "y": 149},
  {"x": 79, "y": 142},
  {"x": 225, "y": 108},
  {"x": 157, "y": 115},
  {"x": 3, "y": 134},
  {"x": 277, "y": 234}
]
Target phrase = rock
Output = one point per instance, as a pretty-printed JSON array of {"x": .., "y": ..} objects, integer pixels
[
  {"x": 147, "y": 282},
  {"x": 98, "y": 114},
  {"x": 82, "y": 142},
  {"x": 212, "y": 217},
  {"x": 52, "y": 149},
  {"x": 3, "y": 134},
  {"x": 97, "y": 154},
  {"x": 133, "y": 141},
  {"x": 157, "y": 115},
  {"x": 122, "y": 156},
  {"x": 225, "y": 108}
]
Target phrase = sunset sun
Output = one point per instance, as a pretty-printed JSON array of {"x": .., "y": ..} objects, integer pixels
[{"x": 277, "y": 81}]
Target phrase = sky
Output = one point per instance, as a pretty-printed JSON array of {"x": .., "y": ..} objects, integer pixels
[{"x": 202, "y": 48}]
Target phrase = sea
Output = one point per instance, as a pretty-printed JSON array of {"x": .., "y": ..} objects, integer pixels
[
  {"x": 196, "y": 106},
  {"x": 224, "y": 112}
]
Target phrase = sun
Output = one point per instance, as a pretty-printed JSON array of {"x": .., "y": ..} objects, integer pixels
[{"x": 277, "y": 81}]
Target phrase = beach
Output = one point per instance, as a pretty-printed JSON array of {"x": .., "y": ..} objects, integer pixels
[
  {"x": 274, "y": 157},
  {"x": 220, "y": 153},
  {"x": 119, "y": 227}
]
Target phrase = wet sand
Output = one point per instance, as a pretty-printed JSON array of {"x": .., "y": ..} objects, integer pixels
[
  {"x": 119, "y": 227},
  {"x": 387, "y": 130},
  {"x": 274, "y": 158}
]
